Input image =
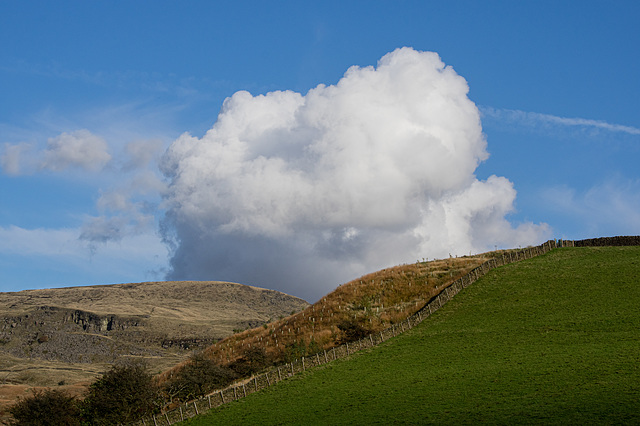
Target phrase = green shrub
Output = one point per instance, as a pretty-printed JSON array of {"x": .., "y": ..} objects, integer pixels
[
  {"x": 253, "y": 361},
  {"x": 123, "y": 394},
  {"x": 295, "y": 350},
  {"x": 198, "y": 377},
  {"x": 352, "y": 330},
  {"x": 46, "y": 408}
]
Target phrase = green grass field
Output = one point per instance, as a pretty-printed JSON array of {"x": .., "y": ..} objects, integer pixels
[{"x": 552, "y": 340}]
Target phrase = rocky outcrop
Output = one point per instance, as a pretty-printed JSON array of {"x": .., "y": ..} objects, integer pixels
[{"x": 69, "y": 335}]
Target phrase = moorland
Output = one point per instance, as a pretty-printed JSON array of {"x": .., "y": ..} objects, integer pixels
[{"x": 66, "y": 337}]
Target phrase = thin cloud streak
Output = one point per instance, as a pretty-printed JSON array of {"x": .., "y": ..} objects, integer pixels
[{"x": 535, "y": 118}]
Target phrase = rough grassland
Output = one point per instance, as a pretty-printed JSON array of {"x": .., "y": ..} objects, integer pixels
[{"x": 552, "y": 340}]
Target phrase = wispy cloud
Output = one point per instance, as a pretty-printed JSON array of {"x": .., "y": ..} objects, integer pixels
[
  {"x": 534, "y": 119},
  {"x": 60, "y": 257}
]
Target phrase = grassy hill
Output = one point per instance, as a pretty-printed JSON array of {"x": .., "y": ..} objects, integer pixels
[{"x": 550, "y": 340}]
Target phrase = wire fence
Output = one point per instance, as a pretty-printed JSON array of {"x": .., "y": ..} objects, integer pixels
[{"x": 282, "y": 372}]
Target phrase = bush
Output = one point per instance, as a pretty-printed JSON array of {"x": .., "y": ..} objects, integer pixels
[
  {"x": 198, "y": 377},
  {"x": 253, "y": 361},
  {"x": 299, "y": 348},
  {"x": 352, "y": 331},
  {"x": 47, "y": 408},
  {"x": 295, "y": 350},
  {"x": 123, "y": 394}
]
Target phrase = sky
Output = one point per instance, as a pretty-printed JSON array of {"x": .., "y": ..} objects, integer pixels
[{"x": 298, "y": 145}]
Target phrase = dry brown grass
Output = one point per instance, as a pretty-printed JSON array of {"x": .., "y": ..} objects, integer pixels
[{"x": 375, "y": 301}]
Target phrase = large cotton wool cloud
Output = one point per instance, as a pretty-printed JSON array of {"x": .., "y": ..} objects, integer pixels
[{"x": 303, "y": 192}]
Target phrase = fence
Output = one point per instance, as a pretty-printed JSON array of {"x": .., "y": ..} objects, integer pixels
[{"x": 277, "y": 374}]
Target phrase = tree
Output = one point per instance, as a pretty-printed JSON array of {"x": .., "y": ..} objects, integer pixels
[
  {"x": 198, "y": 377},
  {"x": 352, "y": 330},
  {"x": 123, "y": 394},
  {"x": 253, "y": 361},
  {"x": 47, "y": 408}
]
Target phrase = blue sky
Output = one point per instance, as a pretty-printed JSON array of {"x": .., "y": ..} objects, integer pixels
[{"x": 98, "y": 186}]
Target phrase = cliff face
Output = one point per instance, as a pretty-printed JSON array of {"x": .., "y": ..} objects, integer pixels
[{"x": 72, "y": 335}]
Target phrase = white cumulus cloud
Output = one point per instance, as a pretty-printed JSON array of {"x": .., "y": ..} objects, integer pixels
[{"x": 303, "y": 192}]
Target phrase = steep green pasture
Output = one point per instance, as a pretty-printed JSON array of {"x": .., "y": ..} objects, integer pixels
[{"x": 552, "y": 340}]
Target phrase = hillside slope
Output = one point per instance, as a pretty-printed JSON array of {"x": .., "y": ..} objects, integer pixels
[
  {"x": 367, "y": 304},
  {"x": 550, "y": 340}
]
